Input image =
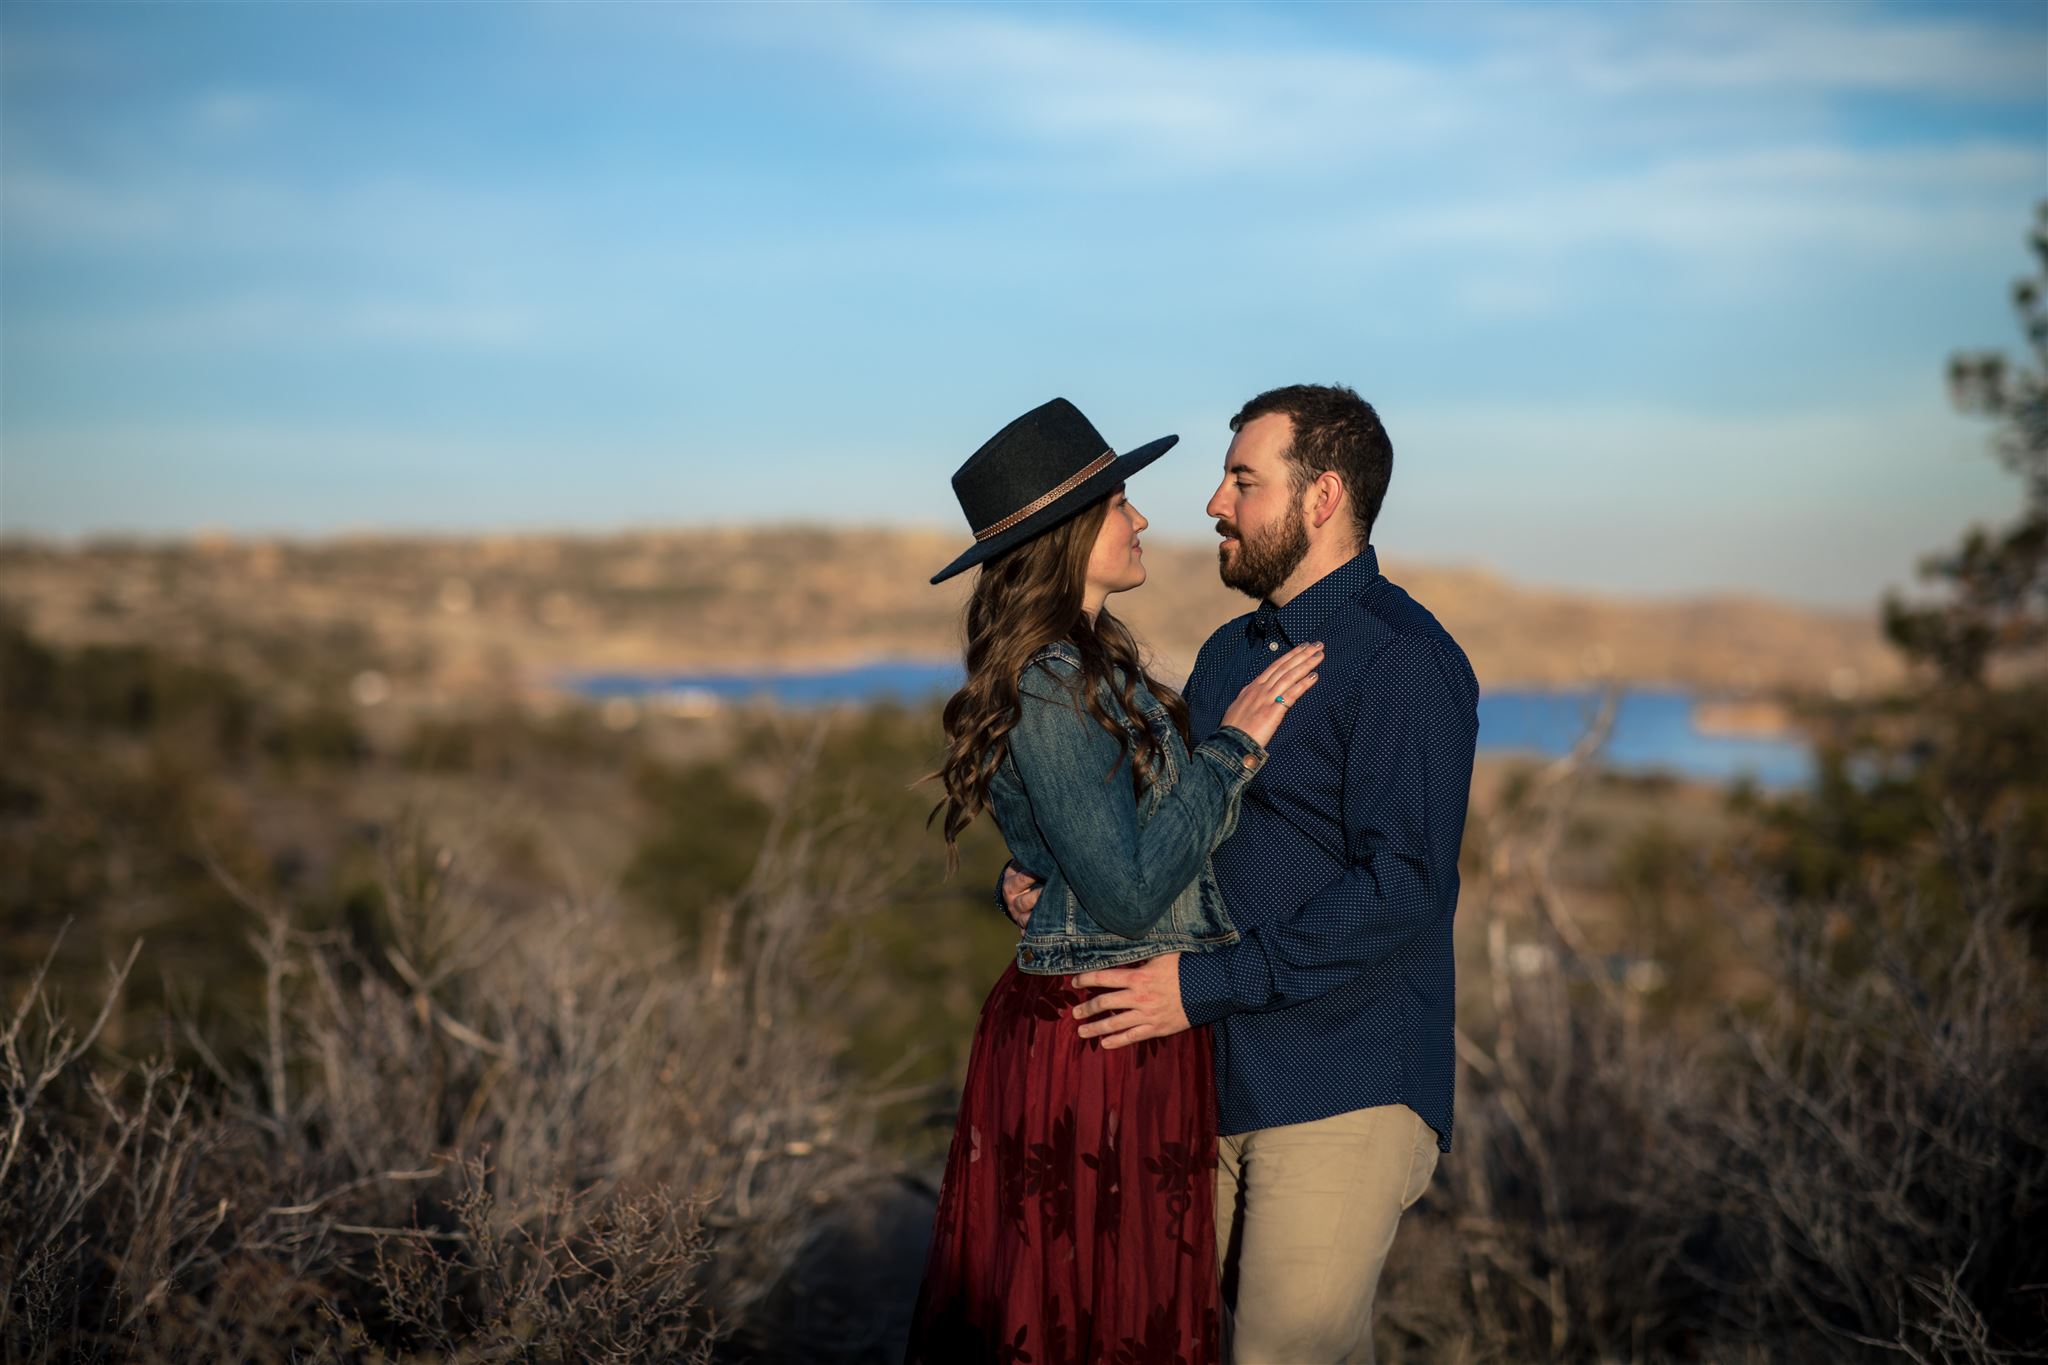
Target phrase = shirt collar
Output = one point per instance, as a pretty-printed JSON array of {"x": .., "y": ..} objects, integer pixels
[{"x": 1306, "y": 611}]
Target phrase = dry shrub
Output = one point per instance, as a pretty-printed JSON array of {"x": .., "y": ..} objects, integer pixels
[
  {"x": 1855, "y": 1166},
  {"x": 1893, "y": 1125},
  {"x": 611, "y": 1280},
  {"x": 462, "y": 1136}
]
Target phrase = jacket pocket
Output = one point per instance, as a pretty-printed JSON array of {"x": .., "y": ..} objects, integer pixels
[{"x": 1058, "y": 915}]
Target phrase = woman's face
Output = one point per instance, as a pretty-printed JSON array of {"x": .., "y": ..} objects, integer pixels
[{"x": 1117, "y": 563}]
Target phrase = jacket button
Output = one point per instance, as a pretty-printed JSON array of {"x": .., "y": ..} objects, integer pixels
[
  {"x": 1025, "y": 954},
  {"x": 1251, "y": 761}
]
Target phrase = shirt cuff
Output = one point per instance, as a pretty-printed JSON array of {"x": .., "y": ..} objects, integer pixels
[
  {"x": 1205, "y": 986},
  {"x": 1237, "y": 753},
  {"x": 1227, "y": 981}
]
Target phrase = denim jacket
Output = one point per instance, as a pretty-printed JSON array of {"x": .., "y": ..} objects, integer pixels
[{"x": 1125, "y": 877}]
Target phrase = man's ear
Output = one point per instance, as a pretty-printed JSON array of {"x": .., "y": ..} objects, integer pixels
[{"x": 1327, "y": 497}]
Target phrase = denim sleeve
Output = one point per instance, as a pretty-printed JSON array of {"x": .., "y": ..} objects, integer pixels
[
  {"x": 1407, "y": 775},
  {"x": 1079, "y": 783}
]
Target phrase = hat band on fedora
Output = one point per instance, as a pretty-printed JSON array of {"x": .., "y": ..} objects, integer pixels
[{"x": 1050, "y": 496}]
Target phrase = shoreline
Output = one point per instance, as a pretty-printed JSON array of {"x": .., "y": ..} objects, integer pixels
[{"x": 1740, "y": 712}]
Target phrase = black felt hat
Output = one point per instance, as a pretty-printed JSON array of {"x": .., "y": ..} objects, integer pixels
[{"x": 1034, "y": 474}]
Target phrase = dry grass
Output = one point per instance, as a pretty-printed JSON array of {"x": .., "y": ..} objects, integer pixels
[
  {"x": 1852, "y": 1165},
  {"x": 462, "y": 1137}
]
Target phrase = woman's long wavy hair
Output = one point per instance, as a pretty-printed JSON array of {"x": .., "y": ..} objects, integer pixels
[{"x": 1024, "y": 599}]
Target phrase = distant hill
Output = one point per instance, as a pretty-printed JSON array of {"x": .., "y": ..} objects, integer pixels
[{"x": 504, "y": 613}]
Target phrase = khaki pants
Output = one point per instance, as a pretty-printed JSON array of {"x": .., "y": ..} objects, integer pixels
[{"x": 1305, "y": 1214}]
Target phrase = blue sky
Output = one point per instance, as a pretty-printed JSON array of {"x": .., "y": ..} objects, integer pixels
[{"x": 1653, "y": 299}]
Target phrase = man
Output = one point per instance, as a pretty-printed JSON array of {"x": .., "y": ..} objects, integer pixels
[{"x": 1332, "y": 1015}]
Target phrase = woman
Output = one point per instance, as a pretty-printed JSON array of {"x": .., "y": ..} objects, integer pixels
[{"x": 1075, "y": 1222}]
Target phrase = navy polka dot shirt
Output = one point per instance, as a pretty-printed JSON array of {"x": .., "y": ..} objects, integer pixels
[{"x": 1342, "y": 874}]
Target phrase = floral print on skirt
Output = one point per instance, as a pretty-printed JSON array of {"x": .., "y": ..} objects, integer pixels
[{"x": 1076, "y": 1224}]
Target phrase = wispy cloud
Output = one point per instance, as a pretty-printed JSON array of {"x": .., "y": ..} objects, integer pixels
[
  {"x": 1747, "y": 207},
  {"x": 1709, "y": 135},
  {"x": 1778, "y": 51},
  {"x": 1134, "y": 97},
  {"x": 49, "y": 199},
  {"x": 238, "y": 112},
  {"x": 1136, "y": 101},
  {"x": 289, "y": 322},
  {"x": 38, "y": 204}
]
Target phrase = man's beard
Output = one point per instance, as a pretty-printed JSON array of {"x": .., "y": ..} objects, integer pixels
[{"x": 1264, "y": 562}]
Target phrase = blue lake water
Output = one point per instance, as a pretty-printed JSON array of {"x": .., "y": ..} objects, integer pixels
[{"x": 1653, "y": 728}]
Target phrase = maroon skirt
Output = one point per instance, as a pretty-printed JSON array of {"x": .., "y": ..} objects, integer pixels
[{"x": 1076, "y": 1224}]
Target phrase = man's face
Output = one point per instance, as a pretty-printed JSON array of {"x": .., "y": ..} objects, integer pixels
[{"x": 1258, "y": 512}]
